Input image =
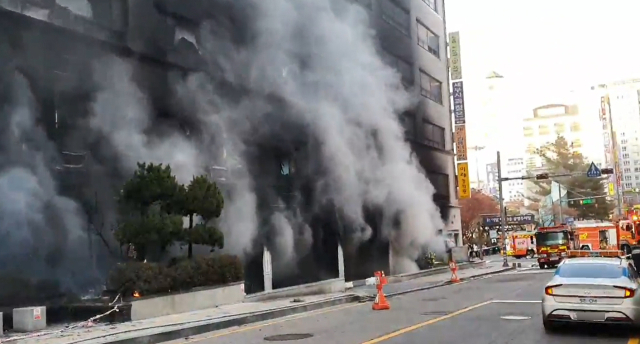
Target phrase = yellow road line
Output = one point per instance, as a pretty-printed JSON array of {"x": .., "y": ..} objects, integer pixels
[
  {"x": 428, "y": 322},
  {"x": 634, "y": 341},
  {"x": 281, "y": 320}
]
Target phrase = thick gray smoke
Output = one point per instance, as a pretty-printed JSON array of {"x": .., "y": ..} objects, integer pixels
[
  {"x": 121, "y": 112},
  {"x": 42, "y": 233},
  {"x": 320, "y": 56}
]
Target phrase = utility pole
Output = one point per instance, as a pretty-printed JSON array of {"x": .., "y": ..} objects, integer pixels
[
  {"x": 503, "y": 217},
  {"x": 560, "y": 201}
]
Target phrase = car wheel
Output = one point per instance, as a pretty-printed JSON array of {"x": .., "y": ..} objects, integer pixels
[
  {"x": 530, "y": 254},
  {"x": 549, "y": 327},
  {"x": 543, "y": 266}
]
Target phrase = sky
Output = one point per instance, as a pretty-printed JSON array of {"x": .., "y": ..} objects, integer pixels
[{"x": 548, "y": 45}]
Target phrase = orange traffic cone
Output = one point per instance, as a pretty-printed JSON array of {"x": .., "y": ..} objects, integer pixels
[
  {"x": 454, "y": 272},
  {"x": 380, "y": 303}
]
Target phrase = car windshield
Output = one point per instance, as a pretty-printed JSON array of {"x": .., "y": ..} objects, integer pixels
[
  {"x": 591, "y": 270},
  {"x": 552, "y": 238}
]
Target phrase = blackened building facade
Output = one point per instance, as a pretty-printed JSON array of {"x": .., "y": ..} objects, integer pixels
[
  {"x": 53, "y": 43},
  {"x": 412, "y": 36}
]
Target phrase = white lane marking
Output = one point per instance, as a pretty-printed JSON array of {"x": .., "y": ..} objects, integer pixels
[{"x": 516, "y": 301}]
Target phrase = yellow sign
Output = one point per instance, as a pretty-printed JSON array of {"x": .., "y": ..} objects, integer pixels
[
  {"x": 455, "y": 64},
  {"x": 584, "y": 236},
  {"x": 612, "y": 190},
  {"x": 461, "y": 142},
  {"x": 463, "y": 180}
]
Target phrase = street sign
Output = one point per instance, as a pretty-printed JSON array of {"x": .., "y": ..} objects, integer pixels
[
  {"x": 594, "y": 171},
  {"x": 588, "y": 201}
]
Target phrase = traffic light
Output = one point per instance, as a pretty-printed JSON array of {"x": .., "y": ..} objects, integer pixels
[
  {"x": 542, "y": 176},
  {"x": 607, "y": 170}
]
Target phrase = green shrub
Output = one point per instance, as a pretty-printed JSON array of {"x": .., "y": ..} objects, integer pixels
[{"x": 152, "y": 278}]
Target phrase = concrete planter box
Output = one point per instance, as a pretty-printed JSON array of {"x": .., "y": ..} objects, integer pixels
[
  {"x": 192, "y": 300},
  {"x": 335, "y": 285}
]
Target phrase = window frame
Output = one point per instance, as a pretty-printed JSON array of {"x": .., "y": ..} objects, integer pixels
[
  {"x": 432, "y": 140},
  {"x": 421, "y": 26},
  {"x": 389, "y": 18},
  {"x": 428, "y": 94},
  {"x": 408, "y": 80},
  {"x": 432, "y": 4}
]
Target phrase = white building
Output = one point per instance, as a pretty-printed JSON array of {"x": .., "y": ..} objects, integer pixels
[
  {"x": 513, "y": 190},
  {"x": 496, "y": 124},
  {"x": 581, "y": 129},
  {"x": 624, "y": 102}
]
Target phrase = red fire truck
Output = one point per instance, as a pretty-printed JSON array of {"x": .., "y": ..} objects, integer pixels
[{"x": 552, "y": 244}]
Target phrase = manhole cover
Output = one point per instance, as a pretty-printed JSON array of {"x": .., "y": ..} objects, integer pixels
[
  {"x": 435, "y": 313},
  {"x": 288, "y": 336},
  {"x": 514, "y": 317}
]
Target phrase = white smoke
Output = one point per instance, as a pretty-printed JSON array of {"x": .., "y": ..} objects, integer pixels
[
  {"x": 43, "y": 235},
  {"x": 320, "y": 56},
  {"x": 121, "y": 112}
]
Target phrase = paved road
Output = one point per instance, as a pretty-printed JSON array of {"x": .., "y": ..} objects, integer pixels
[{"x": 467, "y": 312}]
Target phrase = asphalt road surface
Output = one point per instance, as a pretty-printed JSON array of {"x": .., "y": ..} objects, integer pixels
[{"x": 498, "y": 309}]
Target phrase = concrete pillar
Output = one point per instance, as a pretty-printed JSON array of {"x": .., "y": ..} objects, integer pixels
[
  {"x": 340, "y": 262},
  {"x": 267, "y": 270},
  {"x": 29, "y": 319},
  {"x": 1, "y": 325}
]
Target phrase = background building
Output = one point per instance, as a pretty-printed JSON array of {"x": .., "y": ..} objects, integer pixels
[{"x": 513, "y": 190}]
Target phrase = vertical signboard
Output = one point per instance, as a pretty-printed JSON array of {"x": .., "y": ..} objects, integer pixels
[
  {"x": 457, "y": 95},
  {"x": 463, "y": 180},
  {"x": 461, "y": 143},
  {"x": 457, "y": 109},
  {"x": 455, "y": 63}
]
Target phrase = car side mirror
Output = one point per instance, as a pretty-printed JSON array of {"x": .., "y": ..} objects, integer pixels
[{"x": 635, "y": 256}]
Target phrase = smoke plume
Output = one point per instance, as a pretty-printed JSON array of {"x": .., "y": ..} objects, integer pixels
[
  {"x": 320, "y": 57},
  {"x": 43, "y": 235}
]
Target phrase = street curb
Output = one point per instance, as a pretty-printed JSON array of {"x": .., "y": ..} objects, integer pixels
[
  {"x": 415, "y": 275},
  {"x": 233, "y": 322},
  {"x": 433, "y": 286}
]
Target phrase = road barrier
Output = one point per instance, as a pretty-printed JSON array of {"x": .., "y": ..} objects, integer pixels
[
  {"x": 380, "y": 303},
  {"x": 454, "y": 272}
]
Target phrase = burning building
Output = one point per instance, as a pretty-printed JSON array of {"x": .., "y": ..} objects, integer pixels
[{"x": 323, "y": 121}]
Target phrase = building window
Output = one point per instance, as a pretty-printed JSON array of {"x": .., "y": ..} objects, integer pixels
[
  {"x": 528, "y": 131},
  {"x": 543, "y": 129},
  {"x": 624, "y": 148},
  {"x": 623, "y": 141},
  {"x": 636, "y": 169},
  {"x": 626, "y": 163},
  {"x": 627, "y": 170},
  {"x": 396, "y": 16},
  {"x": 434, "y": 135},
  {"x": 440, "y": 182},
  {"x": 627, "y": 178},
  {"x": 432, "y": 4},
  {"x": 637, "y": 177},
  {"x": 575, "y": 127},
  {"x": 628, "y": 185},
  {"x": 576, "y": 144},
  {"x": 625, "y": 156},
  {"x": 531, "y": 149},
  {"x": 430, "y": 87},
  {"x": 403, "y": 67},
  {"x": 408, "y": 122},
  {"x": 560, "y": 128},
  {"x": 428, "y": 40}
]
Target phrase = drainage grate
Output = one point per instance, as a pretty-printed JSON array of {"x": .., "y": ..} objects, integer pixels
[
  {"x": 435, "y": 313},
  {"x": 288, "y": 336}
]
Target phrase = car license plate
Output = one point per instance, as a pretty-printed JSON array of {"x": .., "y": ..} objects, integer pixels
[
  {"x": 588, "y": 300},
  {"x": 590, "y": 316}
]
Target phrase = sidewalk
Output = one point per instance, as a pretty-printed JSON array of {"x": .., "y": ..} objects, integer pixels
[
  {"x": 178, "y": 326},
  {"x": 435, "y": 280}
]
